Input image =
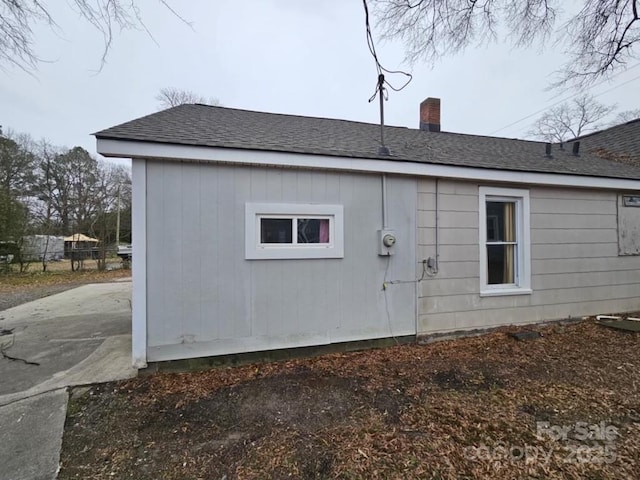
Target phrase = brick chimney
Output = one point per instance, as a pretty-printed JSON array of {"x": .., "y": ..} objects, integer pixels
[{"x": 430, "y": 115}]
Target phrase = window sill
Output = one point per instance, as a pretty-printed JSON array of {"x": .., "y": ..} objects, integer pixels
[
  {"x": 499, "y": 292},
  {"x": 292, "y": 253}
]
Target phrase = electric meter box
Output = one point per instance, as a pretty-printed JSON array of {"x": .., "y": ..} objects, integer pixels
[{"x": 386, "y": 242}]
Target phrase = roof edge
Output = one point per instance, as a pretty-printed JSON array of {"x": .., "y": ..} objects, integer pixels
[
  {"x": 598, "y": 132},
  {"x": 154, "y": 150}
]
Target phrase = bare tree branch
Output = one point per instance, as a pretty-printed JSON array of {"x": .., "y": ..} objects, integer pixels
[
  {"x": 18, "y": 17},
  {"x": 599, "y": 38},
  {"x": 172, "y": 97},
  {"x": 626, "y": 116},
  {"x": 431, "y": 29},
  {"x": 582, "y": 115}
]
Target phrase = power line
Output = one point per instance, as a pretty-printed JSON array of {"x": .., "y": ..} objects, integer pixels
[
  {"x": 381, "y": 70},
  {"x": 605, "y": 80},
  {"x": 572, "y": 96},
  {"x": 381, "y": 90}
]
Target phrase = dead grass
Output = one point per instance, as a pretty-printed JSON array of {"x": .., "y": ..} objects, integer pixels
[
  {"x": 19, "y": 288},
  {"x": 60, "y": 272},
  {"x": 65, "y": 266},
  {"x": 458, "y": 409}
]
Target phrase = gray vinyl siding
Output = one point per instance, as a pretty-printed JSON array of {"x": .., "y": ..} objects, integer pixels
[
  {"x": 204, "y": 298},
  {"x": 575, "y": 265}
]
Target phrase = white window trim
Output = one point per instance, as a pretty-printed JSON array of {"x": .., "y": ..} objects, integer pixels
[
  {"x": 255, "y": 250},
  {"x": 523, "y": 233}
]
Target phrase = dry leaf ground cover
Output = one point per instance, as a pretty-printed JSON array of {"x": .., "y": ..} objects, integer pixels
[{"x": 467, "y": 408}]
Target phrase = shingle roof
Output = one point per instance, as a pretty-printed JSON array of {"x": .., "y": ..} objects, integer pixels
[
  {"x": 204, "y": 125},
  {"x": 621, "y": 142}
]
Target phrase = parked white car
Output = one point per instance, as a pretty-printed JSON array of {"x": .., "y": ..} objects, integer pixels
[{"x": 124, "y": 252}]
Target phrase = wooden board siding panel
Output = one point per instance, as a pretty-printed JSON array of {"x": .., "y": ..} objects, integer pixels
[
  {"x": 425, "y": 185},
  {"x": 542, "y": 236},
  {"x": 583, "y": 265},
  {"x": 204, "y": 298},
  {"x": 489, "y": 318},
  {"x": 455, "y": 270},
  {"x": 576, "y": 250},
  {"x": 575, "y": 265},
  {"x": 628, "y": 228},
  {"x": 571, "y": 195},
  {"x": 573, "y": 206},
  {"x": 456, "y": 219},
  {"x": 188, "y": 208},
  {"x": 171, "y": 303},
  {"x": 463, "y": 302},
  {"x": 209, "y": 261},
  {"x": 461, "y": 253},
  {"x": 551, "y": 281},
  {"x": 449, "y": 236},
  {"x": 566, "y": 221}
]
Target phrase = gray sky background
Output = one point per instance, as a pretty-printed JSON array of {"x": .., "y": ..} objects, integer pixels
[{"x": 287, "y": 56}]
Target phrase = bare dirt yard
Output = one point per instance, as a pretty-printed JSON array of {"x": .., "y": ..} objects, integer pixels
[
  {"x": 566, "y": 405},
  {"x": 18, "y": 288}
]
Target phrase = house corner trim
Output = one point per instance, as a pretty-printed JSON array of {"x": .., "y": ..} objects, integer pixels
[{"x": 139, "y": 264}]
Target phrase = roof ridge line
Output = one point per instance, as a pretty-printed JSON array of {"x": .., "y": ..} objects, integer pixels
[{"x": 313, "y": 117}]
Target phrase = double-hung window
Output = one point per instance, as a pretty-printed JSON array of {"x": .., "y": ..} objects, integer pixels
[
  {"x": 282, "y": 231},
  {"x": 505, "y": 259}
]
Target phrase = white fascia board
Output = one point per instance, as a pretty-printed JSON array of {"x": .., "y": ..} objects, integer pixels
[{"x": 136, "y": 149}]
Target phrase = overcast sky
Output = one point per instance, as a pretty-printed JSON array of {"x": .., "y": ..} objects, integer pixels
[{"x": 286, "y": 56}]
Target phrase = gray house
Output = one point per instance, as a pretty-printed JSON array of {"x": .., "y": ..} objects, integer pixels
[{"x": 256, "y": 231}]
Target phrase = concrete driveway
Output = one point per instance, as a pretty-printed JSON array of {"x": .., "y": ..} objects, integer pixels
[{"x": 77, "y": 337}]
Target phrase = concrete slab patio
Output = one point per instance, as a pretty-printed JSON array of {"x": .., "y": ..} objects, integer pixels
[
  {"x": 31, "y": 436},
  {"x": 77, "y": 337}
]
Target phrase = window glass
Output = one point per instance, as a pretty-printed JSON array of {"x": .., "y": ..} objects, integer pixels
[
  {"x": 501, "y": 221},
  {"x": 501, "y": 261},
  {"x": 276, "y": 230},
  {"x": 501, "y": 242},
  {"x": 313, "y": 230}
]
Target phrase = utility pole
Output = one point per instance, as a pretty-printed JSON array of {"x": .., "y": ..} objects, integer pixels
[{"x": 118, "y": 218}]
